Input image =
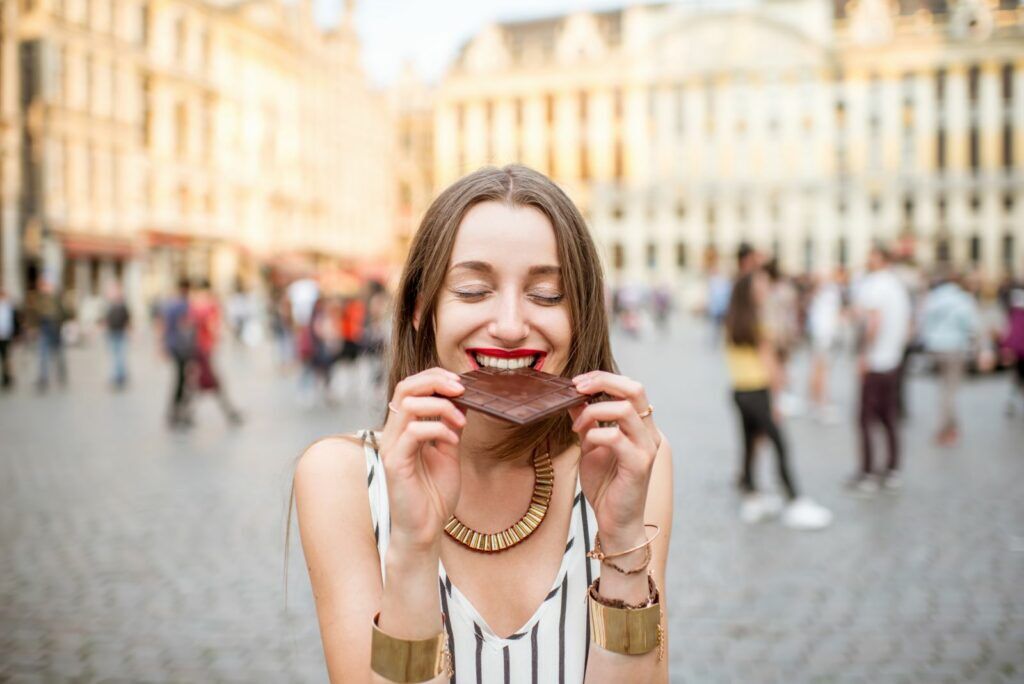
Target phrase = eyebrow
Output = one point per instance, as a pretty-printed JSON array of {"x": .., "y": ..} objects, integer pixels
[{"x": 484, "y": 267}]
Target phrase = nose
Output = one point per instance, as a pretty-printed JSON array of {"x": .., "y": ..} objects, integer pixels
[{"x": 509, "y": 324}]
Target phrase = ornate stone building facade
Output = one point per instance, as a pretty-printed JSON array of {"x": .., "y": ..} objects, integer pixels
[
  {"x": 203, "y": 138},
  {"x": 808, "y": 127}
]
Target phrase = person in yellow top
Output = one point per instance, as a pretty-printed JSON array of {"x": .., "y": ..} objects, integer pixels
[{"x": 755, "y": 377}]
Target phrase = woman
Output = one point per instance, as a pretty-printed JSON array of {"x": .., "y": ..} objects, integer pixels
[
  {"x": 502, "y": 266},
  {"x": 754, "y": 372}
]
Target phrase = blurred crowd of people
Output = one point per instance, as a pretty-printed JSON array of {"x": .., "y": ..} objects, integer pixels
[
  {"x": 334, "y": 339},
  {"x": 892, "y": 316}
]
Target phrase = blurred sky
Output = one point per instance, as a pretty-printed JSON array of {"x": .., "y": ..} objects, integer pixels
[{"x": 430, "y": 32}]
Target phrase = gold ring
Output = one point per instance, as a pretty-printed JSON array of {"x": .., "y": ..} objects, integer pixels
[
  {"x": 647, "y": 411},
  {"x": 391, "y": 407}
]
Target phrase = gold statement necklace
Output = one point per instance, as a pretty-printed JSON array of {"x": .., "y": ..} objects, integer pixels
[{"x": 544, "y": 481}]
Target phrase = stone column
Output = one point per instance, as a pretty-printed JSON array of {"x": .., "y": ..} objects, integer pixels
[{"x": 11, "y": 266}]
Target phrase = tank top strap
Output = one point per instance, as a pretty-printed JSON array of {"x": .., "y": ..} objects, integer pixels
[{"x": 377, "y": 489}]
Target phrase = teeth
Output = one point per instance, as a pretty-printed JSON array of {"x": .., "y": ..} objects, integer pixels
[{"x": 505, "y": 364}]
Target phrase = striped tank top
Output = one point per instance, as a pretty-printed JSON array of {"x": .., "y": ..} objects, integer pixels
[{"x": 553, "y": 644}]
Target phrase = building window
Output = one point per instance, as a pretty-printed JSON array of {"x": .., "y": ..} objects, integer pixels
[
  {"x": 1007, "y": 79},
  {"x": 975, "y": 250},
  {"x": 940, "y": 149},
  {"x": 618, "y": 256},
  {"x": 681, "y": 255},
  {"x": 181, "y": 128},
  {"x": 1008, "y": 203},
  {"x": 808, "y": 255},
  {"x": 711, "y": 218},
  {"x": 973, "y": 78},
  {"x": 680, "y": 210},
  {"x": 942, "y": 210},
  {"x": 843, "y": 252},
  {"x": 618, "y": 161},
  {"x": 1008, "y": 145},
  {"x": 908, "y": 211},
  {"x": 940, "y": 85},
  {"x": 1008, "y": 250},
  {"x": 617, "y": 212},
  {"x": 942, "y": 251},
  {"x": 975, "y": 203},
  {"x": 179, "y": 38},
  {"x": 973, "y": 148},
  {"x": 652, "y": 255}
]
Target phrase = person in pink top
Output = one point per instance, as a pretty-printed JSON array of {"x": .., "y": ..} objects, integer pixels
[
  {"x": 1012, "y": 297},
  {"x": 205, "y": 318}
]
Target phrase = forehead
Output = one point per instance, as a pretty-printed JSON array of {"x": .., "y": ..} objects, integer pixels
[{"x": 506, "y": 236}]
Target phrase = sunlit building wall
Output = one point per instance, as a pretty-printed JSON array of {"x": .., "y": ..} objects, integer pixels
[
  {"x": 196, "y": 138},
  {"x": 10, "y": 151},
  {"x": 807, "y": 127}
]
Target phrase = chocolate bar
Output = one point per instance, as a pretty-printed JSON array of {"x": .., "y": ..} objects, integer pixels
[{"x": 519, "y": 396}]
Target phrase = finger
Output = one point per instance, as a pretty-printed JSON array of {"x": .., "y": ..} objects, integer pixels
[
  {"x": 421, "y": 408},
  {"x": 418, "y": 433},
  {"x": 619, "y": 386},
  {"x": 610, "y": 437},
  {"x": 622, "y": 412},
  {"x": 432, "y": 381}
]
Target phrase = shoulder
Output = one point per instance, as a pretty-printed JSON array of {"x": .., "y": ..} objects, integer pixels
[
  {"x": 330, "y": 467},
  {"x": 330, "y": 458}
]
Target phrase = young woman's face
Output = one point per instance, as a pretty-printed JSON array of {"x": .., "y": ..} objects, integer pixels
[{"x": 502, "y": 303}]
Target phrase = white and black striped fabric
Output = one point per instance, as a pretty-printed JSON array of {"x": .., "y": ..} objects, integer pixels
[{"x": 553, "y": 644}]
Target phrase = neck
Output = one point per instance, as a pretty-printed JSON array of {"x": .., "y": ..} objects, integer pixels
[{"x": 476, "y": 448}]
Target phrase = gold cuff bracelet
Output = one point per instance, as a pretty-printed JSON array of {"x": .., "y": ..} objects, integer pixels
[
  {"x": 407, "y": 661},
  {"x": 629, "y": 631}
]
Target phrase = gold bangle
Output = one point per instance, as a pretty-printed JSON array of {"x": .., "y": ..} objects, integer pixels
[
  {"x": 408, "y": 660},
  {"x": 598, "y": 553},
  {"x": 624, "y": 630}
]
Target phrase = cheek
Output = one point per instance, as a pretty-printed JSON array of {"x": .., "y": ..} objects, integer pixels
[{"x": 555, "y": 325}]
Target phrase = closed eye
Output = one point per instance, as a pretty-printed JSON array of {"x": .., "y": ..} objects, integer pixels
[{"x": 547, "y": 300}]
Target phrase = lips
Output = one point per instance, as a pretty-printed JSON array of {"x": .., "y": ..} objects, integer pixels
[{"x": 506, "y": 359}]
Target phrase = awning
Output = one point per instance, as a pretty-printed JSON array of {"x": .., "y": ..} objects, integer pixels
[{"x": 91, "y": 245}]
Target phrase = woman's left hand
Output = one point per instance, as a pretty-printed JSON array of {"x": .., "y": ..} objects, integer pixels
[{"x": 616, "y": 459}]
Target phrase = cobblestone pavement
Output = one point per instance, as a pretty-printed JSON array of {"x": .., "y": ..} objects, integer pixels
[{"x": 130, "y": 553}]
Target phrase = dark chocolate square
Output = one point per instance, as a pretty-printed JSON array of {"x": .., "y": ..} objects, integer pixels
[{"x": 519, "y": 396}]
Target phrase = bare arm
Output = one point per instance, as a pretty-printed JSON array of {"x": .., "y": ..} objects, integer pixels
[
  {"x": 341, "y": 555},
  {"x": 603, "y": 665}
]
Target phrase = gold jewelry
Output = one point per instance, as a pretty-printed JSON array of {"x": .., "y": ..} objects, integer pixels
[
  {"x": 544, "y": 482},
  {"x": 647, "y": 411},
  {"x": 621, "y": 628},
  {"x": 408, "y": 660},
  {"x": 632, "y": 571},
  {"x": 599, "y": 554}
]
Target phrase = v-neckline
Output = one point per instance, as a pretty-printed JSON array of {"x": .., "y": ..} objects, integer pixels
[{"x": 469, "y": 610}]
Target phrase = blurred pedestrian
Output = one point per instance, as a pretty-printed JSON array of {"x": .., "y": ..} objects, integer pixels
[
  {"x": 781, "y": 317},
  {"x": 823, "y": 319},
  {"x": 205, "y": 318},
  {"x": 282, "y": 327},
  {"x": 8, "y": 331},
  {"x": 753, "y": 368},
  {"x": 117, "y": 319},
  {"x": 884, "y": 311},
  {"x": 719, "y": 290},
  {"x": 48, "y": 315},
  {"x": 949, "y": 328},
  {"x": 1013, "y": 343},
  {"x": 661, "y": 307},
  {"x": 179, "y": 343}
]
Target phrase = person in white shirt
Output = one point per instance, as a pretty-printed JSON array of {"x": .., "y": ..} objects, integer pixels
[
  {"x": 8, "y": 328},
  {"x": 883, "y": 308},
  {"x": 823, "y": 321}
]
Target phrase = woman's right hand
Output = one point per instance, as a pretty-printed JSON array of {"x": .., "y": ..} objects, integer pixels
[{"x": 421, "y": 458}]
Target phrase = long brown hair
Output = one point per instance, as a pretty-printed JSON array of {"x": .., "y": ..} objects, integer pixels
[
  {"x": 413, "y": 348},
  {"x": 743, "y": 318}
]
